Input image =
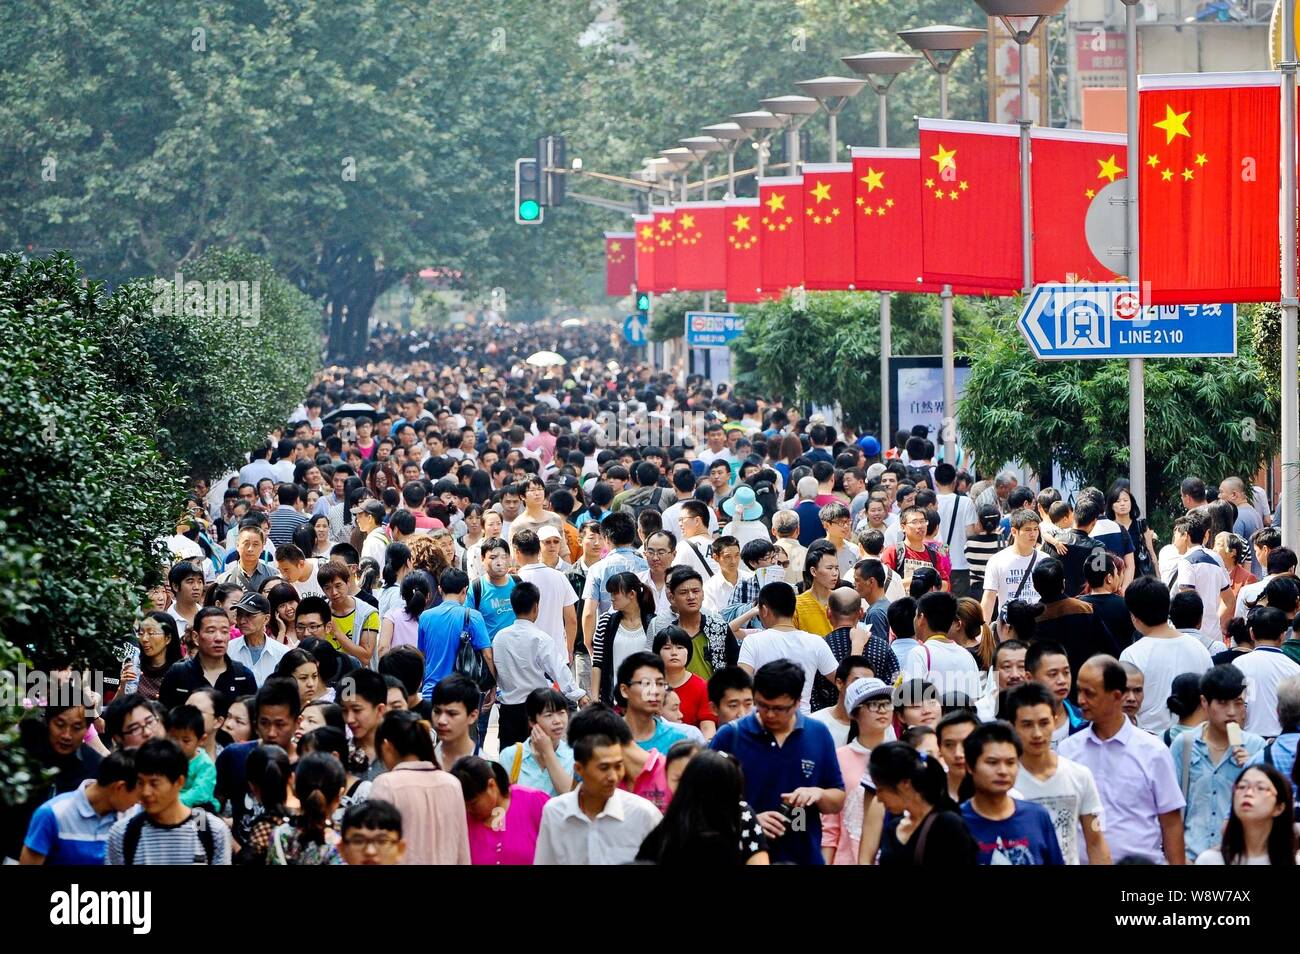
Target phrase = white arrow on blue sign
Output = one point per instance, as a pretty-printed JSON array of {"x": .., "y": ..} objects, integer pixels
[
  {"x": 634, "y": 327},
  {"x": 1108, "y": 321}
]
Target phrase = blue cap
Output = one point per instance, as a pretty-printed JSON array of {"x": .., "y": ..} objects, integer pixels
[{"x": 870, "y": 446}]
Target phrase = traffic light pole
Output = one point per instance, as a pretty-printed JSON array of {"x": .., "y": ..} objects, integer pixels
[
  {"x": 1289, "y": 508},
  {"x": 1137, "y": 385}
]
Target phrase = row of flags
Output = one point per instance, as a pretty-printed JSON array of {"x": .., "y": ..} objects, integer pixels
[{"x": 948, "y": 212}]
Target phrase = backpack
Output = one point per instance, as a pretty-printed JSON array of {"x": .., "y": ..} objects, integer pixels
[
  {"x": 651, "y": 502},
  {"x": 469, "y": 659},
  {"x": 135, "y": 827},
  {"x": 476, "y": 590}
]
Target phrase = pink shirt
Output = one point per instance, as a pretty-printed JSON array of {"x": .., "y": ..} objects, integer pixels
[
  {"x": 652, "y": 783},
  {"x": 843, "y": 830},
  {"x": 433, "y": 813},
  {"x": 516, "y": 842}
]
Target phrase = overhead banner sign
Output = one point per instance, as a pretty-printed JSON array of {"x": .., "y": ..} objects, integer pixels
[{"x": 1109, "y": 321}]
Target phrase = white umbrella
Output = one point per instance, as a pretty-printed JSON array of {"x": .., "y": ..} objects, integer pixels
[
  {"x": 571, "y": 323},
  {"x": 545, "y": 359}
]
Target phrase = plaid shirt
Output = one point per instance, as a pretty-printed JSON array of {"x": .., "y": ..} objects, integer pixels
[{"x": 722, "y": 646}]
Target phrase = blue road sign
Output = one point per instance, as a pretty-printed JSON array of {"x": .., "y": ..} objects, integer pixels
[
  {"x": 634, "y": 327},
  {"x": 706, "y": 329},
  {"x": 1108, "y": 321}
]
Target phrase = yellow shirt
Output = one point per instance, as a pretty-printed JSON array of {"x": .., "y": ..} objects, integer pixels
[{"x": 810, "y": 616}]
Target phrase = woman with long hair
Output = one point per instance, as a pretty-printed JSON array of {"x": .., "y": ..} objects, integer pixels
[
  {"x": 320, "y": 535},
  {"x": 268, "y": 772},
  {"x": 973, "y": 632},
  {"x": 401, "y": 625},
  {"x": 433, "y": 812},
  {"x": 303, "y": 668},
  {"x": 480, "y": 487},
  {"x": 924, "y": 827},
  {"x": 397, "y": 563},
  {"x": 284, "y": 600},
  {"x": 1121, "y": 508},
  {"x": 708, "y": 822},
  {"x": 473, "y": 535},
  {"x": 503, "y": 819},
  {"x": 160, "y": 646},
  {"x": 620, "y": 632},
  {"x": 1234, "y": 551},
  {"x": 821, "y": 574},
  {"x": 310, "y": 838},
  {"x": 788, "y": 451},
  {"x": 1261, "y": 828}
]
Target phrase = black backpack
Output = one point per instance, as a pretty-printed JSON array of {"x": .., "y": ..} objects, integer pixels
[{"x": 135, "y": 827}]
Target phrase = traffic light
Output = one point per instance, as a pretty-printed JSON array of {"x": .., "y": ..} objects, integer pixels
[
  {"x": 528, "y": 200},
  {"x": 643, "y": 303},
  {"x": 550, "y": 155}
]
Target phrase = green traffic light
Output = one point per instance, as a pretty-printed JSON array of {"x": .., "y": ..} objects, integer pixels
[
  {"x": 529, "y": 210},
  {"x": 643, "y": 302}
]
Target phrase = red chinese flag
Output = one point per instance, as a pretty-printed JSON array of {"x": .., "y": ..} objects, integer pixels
[
  {"x": 620, "y": 264},
  {"x": 780, "y": 219},
  {"x": 1070, "y": 167},
  {"x": 887, "y": 220},
  {"x": 970, "y": 204},
  {"x": 1208, "y": 195},
  {"x": 665, "y": 250},
  {"x": 645, "y": 251},
  {"x": 744, "y": 269},
  {"x": 701, "y": 245},
  {"x": 828, "y": 226}
]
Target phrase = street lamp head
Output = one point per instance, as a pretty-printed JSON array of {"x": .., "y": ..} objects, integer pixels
[
  {"x": 791, "y": 105},
  {"x": 678, "y": 157},
  {"x": 941, "y": 45},
  {"x": 760, "y": 119},
  {"x": 880, "y": 67},
  {"x": 701, "y": 146},
  {"x": 1021, "y": 17},
  {"x": 727, "y": 132},
  {"x": 831, "y": 88}
]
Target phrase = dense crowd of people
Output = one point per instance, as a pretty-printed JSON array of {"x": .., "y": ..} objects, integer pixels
[{"x": 467, "y": 610}]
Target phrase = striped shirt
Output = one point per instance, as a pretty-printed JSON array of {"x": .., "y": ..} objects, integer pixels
[
  {"x": 67, "y": 830},
  {"x": 172, "y": 844},
  {"x": 284, "y": 521}
]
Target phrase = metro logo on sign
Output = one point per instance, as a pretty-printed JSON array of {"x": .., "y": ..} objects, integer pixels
[{"x": 1108, "y": 321}]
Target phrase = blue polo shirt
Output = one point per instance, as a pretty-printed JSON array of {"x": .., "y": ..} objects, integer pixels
[
  {"x": 806, "y": 759},
  {"x": 439, "y": 640},
  {"x": 67, "y": 831}
]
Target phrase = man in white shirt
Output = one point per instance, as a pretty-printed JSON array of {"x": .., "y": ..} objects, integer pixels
[
  {"x": 694, "y": 542},
  {"x": 719, "y": 587},
  {"x": 526, "y": 657},
  {"x": 558, "y": 614},
  {"x": 253, "y": 649},
  {"x": 370, "y": 521},
  {"x": 1265, "y": 667},
  {"x": 957, "y": 518},
  {"x": 938, "y": 660},
  {"x": 1202, "y": 571},
  {"x": 258, "y": 466},
  {"x": 779, "y": 639},
  {"x": 684, "y": 487},
  {"x": 597, "y": 823},
  {"x": 1161, "y": 652},
  {"x": 1009, "y": 574},
  {"x": 715, "y": 436}
]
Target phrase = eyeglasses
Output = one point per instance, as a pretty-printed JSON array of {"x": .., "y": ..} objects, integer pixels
[
  {"x": 657, "y": 552},
  {"x": 139, "y": 728},
  {"x": 1259, "y": 788},
  {"x": 645, "y": 684},
  {"x": 377, "y": 842},
  {"x": 879, "y": 705},
  {"x": 776, "y": 710}
]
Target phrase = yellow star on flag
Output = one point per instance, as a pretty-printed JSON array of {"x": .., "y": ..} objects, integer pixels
[
  {"x": 952, "y": 195},
  {"x": 1153, "y": 161},
  {"x": 687, "y": 220},
  {"x": 1167, "y": 175},
  {"x": 929, "y": 183},
  {"x": 964, "y": 186},
  {"x": 615, "y": 246},
  {"x": 880, "y": 210},
  {"x": 868, "y": 210},
  {"x": 874, "y": 179},
  {"x": 665, "y": 225},
  {"x": 1174, "y": 124},
  {"x": 1109, "y": 169},
  {"x": 859, "y": 200},
  {"x": 1200, "y": 159},
  {"x": 647, "y": 232},
  {"x": 938, "y": 193},
  {"x": 889, "y": 203},
  {"x": 821, "y": 192},
  {"x": 741, "y": 224},
  {"x": 1090, "y": 193},
  {"x": 775, "y": 201},
  {"x": 946, "y": 158},
  {"x": 1187, "y": 175}
]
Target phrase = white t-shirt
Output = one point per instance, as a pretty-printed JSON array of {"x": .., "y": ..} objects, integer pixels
[
  {"x": 949, "y": 667},
  {"x": 1249, "y": 594},
  {"x": 966, "y": 515},
  {"x": 839, "y": 730},
  {"x": 1161, "y": 658},
  {"x": 310, "y": 586},
  {"x": 626, "y": 642},
  {"x": 672, "y": 520},
  {"x": 1069, "y": 793},
  {"x": 717, "y": 592},
  {"x": 1201, "y": 570},
  {"x": 1167, "y": 560},
  {"x": 556, "y": 594},
  {"x": 811, "y": 652},
  {"x": 1004, "y": 572},
  {"x": 709, "y": 456},
  {"x": 702, "y": 564},
  {"x": 1265, "y": 667}
]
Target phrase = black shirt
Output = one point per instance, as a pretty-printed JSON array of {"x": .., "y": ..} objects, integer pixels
[
  {"x": 1110, "y": 608},
  {"x": 947, "y": 844},
  {"x": 1228, "y": 656},
  {"x": 187, "y": 675}
]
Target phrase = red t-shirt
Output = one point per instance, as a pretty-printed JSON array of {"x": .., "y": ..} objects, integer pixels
[
  {"x": 694, "y": 694},
  {"x": 933, "y": 557}
]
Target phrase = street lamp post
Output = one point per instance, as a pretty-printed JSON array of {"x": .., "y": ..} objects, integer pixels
[
  {"x": 797, "y": 109},
  {"x": 702, "y": 146},
  {"x": 679, "y": 159},
  {"x": 941, "y": 45},
  {"x": 731, "y": 135},
  {"x": 881, "y": 68},
  {"x": 763, "y": 126},
  {"x": 1290, "y": 502},
  {"x": 833, "y": 93}
]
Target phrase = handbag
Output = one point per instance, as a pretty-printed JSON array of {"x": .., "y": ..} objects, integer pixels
[{"x": 469, "y": 661}]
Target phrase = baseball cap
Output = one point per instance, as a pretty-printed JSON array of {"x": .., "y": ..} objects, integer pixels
[
  {"x": 864, "y": 690},
  {"x": 547, "y": 533},
  {"x": 874, "y": 471},
  {"x": 870, "y": 446},
  {"x": 372, "y": 507},
  {"x": 253, "y": 603}
]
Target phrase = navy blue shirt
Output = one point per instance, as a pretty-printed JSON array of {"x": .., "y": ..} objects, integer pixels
[
  {"x": 1026, "y": 838},
  {"x": 807, "y": 759}
]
